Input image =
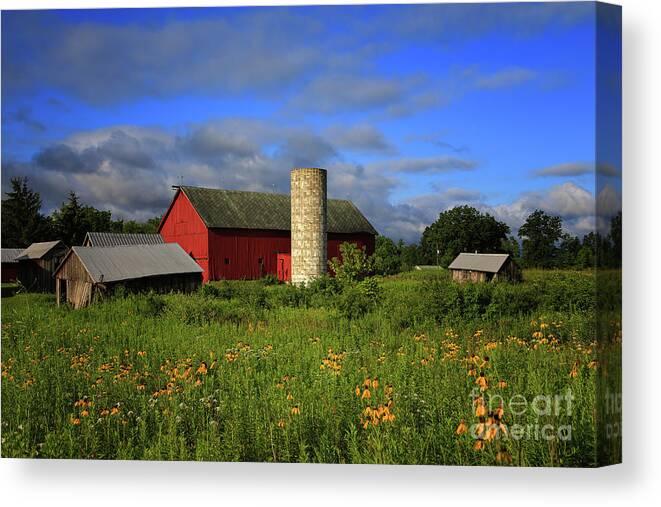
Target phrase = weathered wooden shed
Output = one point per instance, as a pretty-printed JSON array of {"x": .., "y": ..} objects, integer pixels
[
  {"x": 38, "y": 262},
  {"x": 476, "y": 267},
  {"x": 121, "y": 239},
  {"x": 10, "y": 264},
  {"x": 87, "y": 272}
]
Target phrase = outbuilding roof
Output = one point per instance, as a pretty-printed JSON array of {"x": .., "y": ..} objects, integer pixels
[
  {"x": 39, "y": 250},
  {"x": 117, "y": 239},
  {"x": 117, "y": 263},
  {"x": 238, "y": 209},
  {"x": 10, "y": 255},
  {"x": 487, "y": 263}
]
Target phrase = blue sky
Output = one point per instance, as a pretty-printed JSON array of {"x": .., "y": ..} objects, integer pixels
[{"x": 412, "y": 109}]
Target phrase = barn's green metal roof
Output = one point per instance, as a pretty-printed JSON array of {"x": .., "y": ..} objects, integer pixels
[{"x": 238, "y": 209}]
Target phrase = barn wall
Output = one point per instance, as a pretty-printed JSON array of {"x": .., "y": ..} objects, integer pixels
[
  {"x": 9, "y": 272},
  {"x": 184, "y": 226},
  {"x": 243, "y": 248},
  {"x": 362, "y": 240}
]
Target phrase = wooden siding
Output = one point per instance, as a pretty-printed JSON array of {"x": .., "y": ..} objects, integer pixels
[
  {"x": 36, "y": 275},
  {"x": 9, "y": 272},
  {"x": 509, "y": 272},
  {"x": 183, "y": 225}
]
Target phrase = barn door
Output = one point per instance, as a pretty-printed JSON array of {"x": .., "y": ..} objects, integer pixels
[{"x": 284, "y": 267}]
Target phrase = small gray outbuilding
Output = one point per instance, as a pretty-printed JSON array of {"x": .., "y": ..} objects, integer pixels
[
  {"x": 87, "y": 272},
  {"x": 476, "y": 267}
]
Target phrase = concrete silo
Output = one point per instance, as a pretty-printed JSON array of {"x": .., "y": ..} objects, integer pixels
[{"x": 309, "y": 224}]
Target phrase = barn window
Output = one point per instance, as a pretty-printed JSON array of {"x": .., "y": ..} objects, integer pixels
[{"x": 227, "y": 260}]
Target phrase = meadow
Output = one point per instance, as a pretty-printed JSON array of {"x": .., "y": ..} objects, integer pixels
[{"x": 407, "y": 369}]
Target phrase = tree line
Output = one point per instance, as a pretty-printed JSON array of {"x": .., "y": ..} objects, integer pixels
[
  {"x": 23, "y": 222},
  {"x": 541, "y": 242}
]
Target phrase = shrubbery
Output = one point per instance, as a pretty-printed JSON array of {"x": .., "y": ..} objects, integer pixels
[{"x": 446, "y": 301}]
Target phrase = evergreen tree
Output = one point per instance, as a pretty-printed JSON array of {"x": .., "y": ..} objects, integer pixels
[{"x": 22, "y": 221}]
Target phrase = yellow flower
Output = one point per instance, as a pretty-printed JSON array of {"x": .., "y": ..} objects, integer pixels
[
  {"x": 375, "y": 383},
  {"x": 142, "y": 353},
  {"x": 367, "y": 382},
  {"x": 202, "y": 370},
  {"x": 75, "y": 421},
  {"x": 479, "y": 445},
  {"x": 295, "y": 410},
  {"x": 357, "y": 390},
  {"x": 289, "y": 396},
  {"x": 461, "y": 429},
  {"x": 281, "y": 423},
  {"x": 114, "y": 411},
  {"x": 389, "y": 391},
  {"x": 502, "y": 384},
  {"x": 84, "y": 413},
  {"x": 503, "y": 457},
  {"x": 482, "y": 382},
  {"x": 480, "y": 410},
  {"x": 366, "y": 394}
]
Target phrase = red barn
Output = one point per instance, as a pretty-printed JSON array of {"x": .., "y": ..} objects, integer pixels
[{"x": 235, "y": 234}]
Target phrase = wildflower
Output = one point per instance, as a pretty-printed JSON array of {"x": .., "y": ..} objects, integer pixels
[
  {"x": 482, "y": 382},
  {"x": 480, "y": 410},
  {"x": 104, "y": 412},
  {"x": 295, "y": 410},
  {"x": 114, "y": 411},
  {"x": 357, "y": 390},
  {"x": 375, "y": 383},
  {"x": 574, "y": 371},
  {"x": 502, "y": 384},
  {"x": 503, "y": 457},
  {"x": 84, "y": 413},
  {"x": 479, "y": 445},
  {"x": 281, "y": 423},
  {"x": 389, "y": 391},
  {"x": 461, "y": 429},
  {"x": 142, "y": 353},
  {"x": 289, "y": 396},
  {"x": 280, "y": 385},
  {"x": 367, "y": 382},
  {"x": 366, "y": 394},
  {"x": 202, "y": 369},
  {"x": 75, "y": 421}
]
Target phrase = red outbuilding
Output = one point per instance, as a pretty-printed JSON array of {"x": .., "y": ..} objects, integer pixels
[{"x": 236, "y": 235}]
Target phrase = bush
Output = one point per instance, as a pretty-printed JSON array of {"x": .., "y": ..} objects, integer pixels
[
  {"x": 205, "y": 311},
  {"x": 149, "y": 305},
  {"x": 269, "y": 280},
  {"x": 357, "y": 300},
  {"x": 253, "y": 295},
  {"x": 354, "y": 265},
  {"x": 221, "y": 290}
]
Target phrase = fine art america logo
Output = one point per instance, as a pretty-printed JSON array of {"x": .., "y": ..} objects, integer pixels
[{"x": 537, "y": 418}]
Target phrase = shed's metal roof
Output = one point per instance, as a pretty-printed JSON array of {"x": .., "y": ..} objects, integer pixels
[
  {"x": 488, "y": 263},
  {"x": 116, "y": 263},
  {"x": 238, "y": 209},
  {"x": 117, "y": 239},
  {"x": 39, "y": 250},
  {"x": 9, "y": 255}
]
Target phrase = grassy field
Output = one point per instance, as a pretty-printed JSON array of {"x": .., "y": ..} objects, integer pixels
[{"x": 426, "y": 373}]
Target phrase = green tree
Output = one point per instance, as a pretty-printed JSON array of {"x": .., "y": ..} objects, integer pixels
[
  {"x": 540, "y": 233},
  {"x": 148, "y": 227},
  {"x": 511, "y": 246},
  {"x": 461, "y": 229},
  {"x": 568, "y": 251},
  {"x": 411, "y": 255},
  {"x": 387, "y": 256},
  {"x": 22, "y": 221},
  {"x": 73, "y": 220},
  {"x": 353, "y": 266}
]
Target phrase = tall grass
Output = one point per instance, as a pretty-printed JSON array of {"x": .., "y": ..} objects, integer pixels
[{"x": 272, "y": 373}]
